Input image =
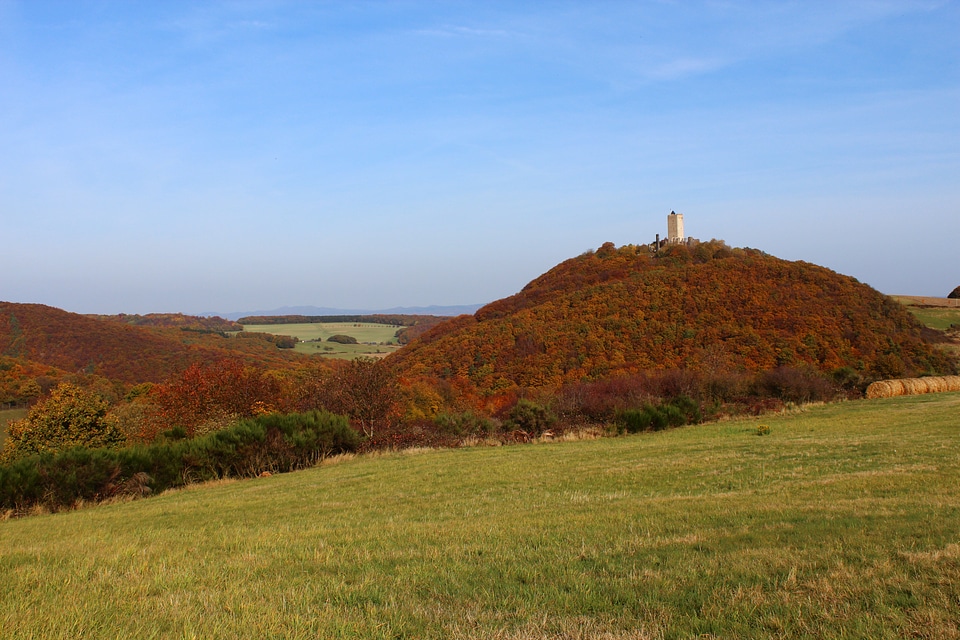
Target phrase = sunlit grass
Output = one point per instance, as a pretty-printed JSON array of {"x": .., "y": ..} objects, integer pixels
[{"x": 843, "y": 521}]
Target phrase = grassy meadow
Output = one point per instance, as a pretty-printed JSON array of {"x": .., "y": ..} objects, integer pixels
[
  {"x": 937, "y": 313},
  {"x": 375, "y": 339},
  {"x": 843, "y": 521},
  {"x": 937, "y": 318}
]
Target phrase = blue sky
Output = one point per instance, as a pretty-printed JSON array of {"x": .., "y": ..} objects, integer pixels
[{"x": 230, "y": 156}]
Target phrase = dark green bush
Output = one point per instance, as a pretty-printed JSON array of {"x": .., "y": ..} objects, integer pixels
[
  {"x": 679, "y": 411},
  {"x": 529, "y": 417},
  {"x": 689, "y": 409},
  {"x": 342, "y": 339},
  {"x": 636, "y": 420},
  {"x": 464, "y": 424},
  {"x": 273, "y": 443},
  {"x": 846, "y": 378}
]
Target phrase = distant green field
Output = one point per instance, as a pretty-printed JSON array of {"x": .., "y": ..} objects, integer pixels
[
  {"x": 928, "y": 311},
  {"x": 936, "y": 318},
  {"x": 844, "y": 521},
  {"x": 6, "y": 416},
  {"x": 375, "y": 339}
]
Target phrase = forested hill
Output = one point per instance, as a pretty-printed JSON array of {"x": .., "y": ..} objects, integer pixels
[
  {"x": 117, "y": 350},
  {"x": 214, "y": 324},
  {"x": 709, "y": 308}
]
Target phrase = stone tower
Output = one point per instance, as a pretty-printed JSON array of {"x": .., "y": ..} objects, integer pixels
[{"x": 675, "y": 228}]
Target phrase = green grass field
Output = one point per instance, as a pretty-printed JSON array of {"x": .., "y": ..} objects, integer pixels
[
  {"x": 379, "y": 339},
  {"x": 844, "y": 521},
  {"x": 6, "y": 415},
  {"x": 937, "y": 318},
  {"x": 927, "y": 311}
]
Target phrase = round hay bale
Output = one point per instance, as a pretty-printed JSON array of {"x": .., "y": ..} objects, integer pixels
[
  {"x": 913, "y": 386},
  {"x": 880, "y": 389}
]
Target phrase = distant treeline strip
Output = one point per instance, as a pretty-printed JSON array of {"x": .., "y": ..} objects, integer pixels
[
  {"x": 913, "y": 386},
  {"x": 397, "y": 320}
]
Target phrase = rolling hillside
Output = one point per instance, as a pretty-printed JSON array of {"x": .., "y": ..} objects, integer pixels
[
  {"x": 116, "y": 350},
  {"x": 710, "y": 308}
]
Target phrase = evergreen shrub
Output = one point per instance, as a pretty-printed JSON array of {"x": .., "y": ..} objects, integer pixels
[
  {"x": 650, "y": 417},
  {"x": 529, "y": 417},
  {"x": 464, "y": 424},
  {"x": 273, "y": 442}
]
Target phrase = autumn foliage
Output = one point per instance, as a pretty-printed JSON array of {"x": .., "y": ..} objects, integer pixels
[
  {"x": 709, "y": 309},
  {"x": 130, "y": 353},
  {"x": 70, "y": 417},
  {"x": 205, "y": 397},
  {"x": 363, "y": 389}
]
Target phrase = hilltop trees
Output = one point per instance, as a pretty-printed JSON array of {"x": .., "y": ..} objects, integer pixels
[
  {"x": 710, "y": 309},
  {"x": 70, "y": 417}
]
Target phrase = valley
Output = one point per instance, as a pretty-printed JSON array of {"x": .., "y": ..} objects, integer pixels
[{"x": 373, "y": 340}]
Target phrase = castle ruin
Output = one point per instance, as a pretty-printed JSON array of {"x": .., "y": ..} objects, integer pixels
[
  {"x": 675, "y": 234},
  {"x": 675, "y": 228}
]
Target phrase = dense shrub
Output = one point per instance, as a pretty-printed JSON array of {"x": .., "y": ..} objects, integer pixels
[
  {"x": 465, "y": 424},
  {"x": 272, "y": 443},
  {"x": 70, "y": 417},
  {"x": 602, "y": 400},
  {"x": 847, "y": 378},
  {"x": 286, "y": 342},
  {"x": 650, "y": 417},
  {"x": 795, "y": 385},
  {"x": 529, "y": 417},
  {"x": 342, "y": 339},
  {"x": 411, "y": 434}
]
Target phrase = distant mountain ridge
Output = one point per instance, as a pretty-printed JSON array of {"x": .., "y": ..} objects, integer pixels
[{"x": 434, "y": 310}]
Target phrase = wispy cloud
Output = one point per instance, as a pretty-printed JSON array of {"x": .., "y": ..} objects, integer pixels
[
  {"x": 685, "y": 66},
  {"x": 212, "y": 26},
  {"x": 455, "y": 31}
]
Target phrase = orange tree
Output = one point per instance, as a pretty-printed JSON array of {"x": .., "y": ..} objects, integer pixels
[{"x": 205, "y": 394}]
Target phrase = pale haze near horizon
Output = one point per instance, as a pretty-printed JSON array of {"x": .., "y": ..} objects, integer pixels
[{"x": 221, "y": 157}]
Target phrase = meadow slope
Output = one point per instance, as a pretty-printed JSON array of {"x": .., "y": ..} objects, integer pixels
[{"x": 843, "y": 521}]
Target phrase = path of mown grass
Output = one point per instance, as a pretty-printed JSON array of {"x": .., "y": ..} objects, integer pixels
[{"x": 844, "y": 521}]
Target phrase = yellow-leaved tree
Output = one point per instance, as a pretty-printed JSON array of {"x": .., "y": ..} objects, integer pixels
[{"x": 70, "y": 417}]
